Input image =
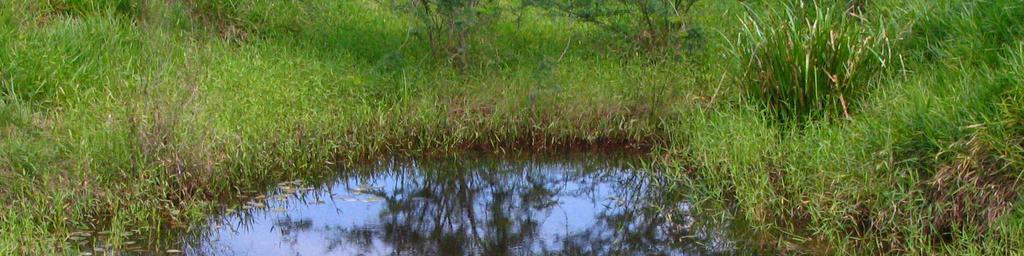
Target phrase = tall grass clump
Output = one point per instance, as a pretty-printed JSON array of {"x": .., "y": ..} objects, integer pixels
[{"x": 809, "y": 58}]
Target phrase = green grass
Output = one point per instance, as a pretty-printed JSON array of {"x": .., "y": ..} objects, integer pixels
[
  {"x": 141, "y": 116},
  {"x": 810, "y": 58}
]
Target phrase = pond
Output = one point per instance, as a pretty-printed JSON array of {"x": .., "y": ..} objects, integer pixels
[{"x": 595, "y": 205}]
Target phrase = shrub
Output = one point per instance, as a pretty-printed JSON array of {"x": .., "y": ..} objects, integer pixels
[
  {"x": 809, "y": 58},
  {"x": 650, "y": 23},
  {"x": 448, "y": 25}
]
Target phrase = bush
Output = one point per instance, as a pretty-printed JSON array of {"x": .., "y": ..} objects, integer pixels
[
  {"x": 809, "y": 58},
  {"x": 448, "y": 25},
  {"x": 650, "y": 23}
]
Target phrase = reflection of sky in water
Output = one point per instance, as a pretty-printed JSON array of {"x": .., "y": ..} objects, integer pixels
[{"x": 495, "y": 209}]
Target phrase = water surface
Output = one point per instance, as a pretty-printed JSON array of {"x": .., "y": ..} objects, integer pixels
[{"x": 576, "y": 206}]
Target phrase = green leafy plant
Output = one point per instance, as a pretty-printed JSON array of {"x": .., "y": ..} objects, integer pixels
[
  {"x": 448, "y": 25},
  {"x": 809, "y": 57},
  {"x": 650, "y": 23}
]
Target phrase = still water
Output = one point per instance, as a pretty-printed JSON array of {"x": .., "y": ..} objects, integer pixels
[{"x": 576, "y": 206}]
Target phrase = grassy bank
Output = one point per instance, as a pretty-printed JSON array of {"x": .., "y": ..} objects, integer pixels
[{"x": 138, "y": 115}]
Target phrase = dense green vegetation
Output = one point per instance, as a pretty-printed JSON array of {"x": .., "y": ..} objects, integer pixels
[{"x": 846, "y": 127}]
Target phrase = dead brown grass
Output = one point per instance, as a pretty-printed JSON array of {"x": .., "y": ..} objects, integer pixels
[{"x": 971, "y": 191}]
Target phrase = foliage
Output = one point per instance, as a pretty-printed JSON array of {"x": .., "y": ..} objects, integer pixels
[
  {"x": 449, "y": 25},
  {"x": 650, "y": 23},
  {"x": 809, "y": 58}
]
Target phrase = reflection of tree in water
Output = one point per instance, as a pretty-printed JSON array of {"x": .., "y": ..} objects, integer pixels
[
  {"x": 487, "y": 208},
  {"x": 498, "y": 209},
  {"x": 455, "y": 210}
]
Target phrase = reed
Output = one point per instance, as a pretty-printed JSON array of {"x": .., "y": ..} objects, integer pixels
[{"x": 809, "y": 58}]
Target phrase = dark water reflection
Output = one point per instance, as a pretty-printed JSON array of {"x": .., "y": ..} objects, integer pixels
[{"x": 468, "y": 207}]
